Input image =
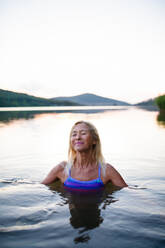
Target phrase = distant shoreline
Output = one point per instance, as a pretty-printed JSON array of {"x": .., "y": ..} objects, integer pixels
[
  {"x": 148, "y": 107},
  {"x": 60, "y": 108}
]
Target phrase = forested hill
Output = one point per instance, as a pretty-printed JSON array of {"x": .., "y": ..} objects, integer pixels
[
  {"x": 92, "y": 100},
  {"x": 149, "y": 104},
  {"x": 14, "y": 99},
  {"x": 160, "y": 101}
]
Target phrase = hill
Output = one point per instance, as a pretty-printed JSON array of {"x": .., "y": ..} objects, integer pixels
[
  {"x": 92, "y": 100},
  {"x": 160, "y": 101},
  {"x": 149, "y": 104},
  {"x": 14, "y": 99}
]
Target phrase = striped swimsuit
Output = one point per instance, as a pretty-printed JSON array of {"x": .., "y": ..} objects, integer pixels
[{"x": 84, "y": 185}]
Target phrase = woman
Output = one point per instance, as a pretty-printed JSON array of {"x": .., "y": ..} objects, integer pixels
[{"x": 85, "y": 168}]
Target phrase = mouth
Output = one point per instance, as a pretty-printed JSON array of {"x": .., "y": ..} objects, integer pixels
[{"x": 79, "y": 143}]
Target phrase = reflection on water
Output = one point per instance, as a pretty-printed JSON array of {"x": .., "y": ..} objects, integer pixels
[
  {"x": 85, "y": 208},
  {"x": 7, "y": 116},
  {"x": 37, "y": 216},
  {"x": 15, "y": 115},
  {"x": 161, "y": 118}
]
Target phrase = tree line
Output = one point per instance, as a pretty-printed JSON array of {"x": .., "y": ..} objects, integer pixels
[{"x": 160, "y": 101}]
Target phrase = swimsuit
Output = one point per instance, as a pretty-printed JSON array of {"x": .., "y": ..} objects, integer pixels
[{"x": 84, "y": 185}]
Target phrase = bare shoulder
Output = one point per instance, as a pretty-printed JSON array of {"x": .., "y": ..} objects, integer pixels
[
  {"x": 107, "y": 172},
  {"x": 61, "y": 165},
  {"x": 57, "y": 172},
  {"x": 59, "y": 168},
  {"x": 113, "y": 175},
  {"x": 109, "y": 168}
]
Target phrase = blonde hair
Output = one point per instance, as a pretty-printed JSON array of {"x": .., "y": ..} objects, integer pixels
[{"x": 96, "y": 151}]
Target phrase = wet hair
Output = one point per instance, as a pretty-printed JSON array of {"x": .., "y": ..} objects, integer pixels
[{"x": 96, "y": 149}]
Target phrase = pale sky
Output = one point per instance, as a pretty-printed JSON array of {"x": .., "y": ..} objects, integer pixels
[{"x": 112, "y": 48}]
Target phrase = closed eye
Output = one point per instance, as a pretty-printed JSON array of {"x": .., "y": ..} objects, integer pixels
[{"x": 74, "y": 134}]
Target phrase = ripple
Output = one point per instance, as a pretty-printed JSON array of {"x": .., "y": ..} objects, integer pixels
[
  {"x": 16, "y": 181},
  {"x": 22, "y": 227},
  {"x": 136, "y": 187}
]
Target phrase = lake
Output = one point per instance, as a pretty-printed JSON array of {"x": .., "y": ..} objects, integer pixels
[{"x": 32, "y": 141}]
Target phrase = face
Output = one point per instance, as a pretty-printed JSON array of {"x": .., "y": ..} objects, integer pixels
[{"x": 81, "y": 139}]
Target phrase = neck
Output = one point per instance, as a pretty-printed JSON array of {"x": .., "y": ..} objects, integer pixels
[{"x": 83, "y": 160}]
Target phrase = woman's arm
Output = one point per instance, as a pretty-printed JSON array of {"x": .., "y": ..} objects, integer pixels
[
  {"x": 114, "y": 176},
  {"x": 55, "y": 173}
]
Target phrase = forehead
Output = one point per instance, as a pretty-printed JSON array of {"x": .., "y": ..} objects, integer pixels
[{"x": 80, "y": 126}]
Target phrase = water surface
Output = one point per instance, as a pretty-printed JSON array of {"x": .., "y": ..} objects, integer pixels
[{"x": 35, "y": 215}]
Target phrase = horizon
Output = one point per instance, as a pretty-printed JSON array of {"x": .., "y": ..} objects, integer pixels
[
  {"x": 78, "y": 95},
  {"x": 55, "y": 48}
]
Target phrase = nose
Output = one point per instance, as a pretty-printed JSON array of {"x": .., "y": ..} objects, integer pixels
[{"x": 78, "y": 136}]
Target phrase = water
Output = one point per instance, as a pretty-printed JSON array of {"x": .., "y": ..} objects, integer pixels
[{"x": 35, "y": 215}]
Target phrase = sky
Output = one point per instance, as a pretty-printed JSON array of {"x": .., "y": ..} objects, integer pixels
[{"x": 112, "y": 48}]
